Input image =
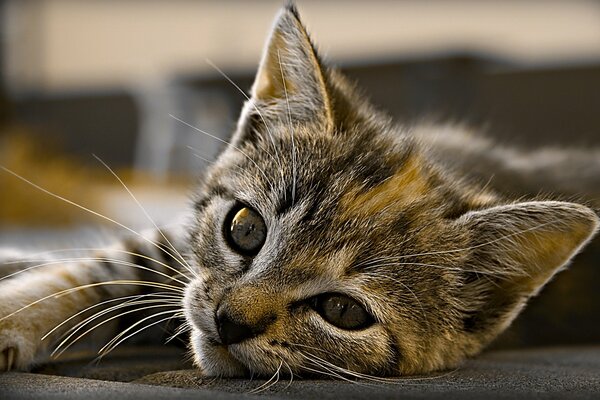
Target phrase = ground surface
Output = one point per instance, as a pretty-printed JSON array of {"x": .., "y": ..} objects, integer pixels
[{"x": 153, "y": 373}]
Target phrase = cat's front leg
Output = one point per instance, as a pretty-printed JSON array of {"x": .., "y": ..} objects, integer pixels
[
  {"x": 45, "y": 293},
  {"x": 38, "y": 295}
]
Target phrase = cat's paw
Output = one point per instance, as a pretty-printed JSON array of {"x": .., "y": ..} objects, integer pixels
[
  {"x": 19, "y": 340},
  {"x": 17, "y": 349},
  {"x": 7, "y": 358}
]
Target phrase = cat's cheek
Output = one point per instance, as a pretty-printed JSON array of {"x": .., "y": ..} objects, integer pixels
[
  {"x": 214, "y": 360},
  {"x": 198, "y": 310},
  {"x": 369, "y": 351}
]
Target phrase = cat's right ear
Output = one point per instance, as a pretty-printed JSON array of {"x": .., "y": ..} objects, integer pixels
[
  {"x": 290, "y": 84},
  {"x": 516, "y": 250}
]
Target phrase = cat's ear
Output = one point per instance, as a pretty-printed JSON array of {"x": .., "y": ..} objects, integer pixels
[
  {"x": 516, "y": 249},
  {"x": 290, "y": 82}
]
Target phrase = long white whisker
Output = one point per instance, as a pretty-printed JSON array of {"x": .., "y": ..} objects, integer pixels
[
  {"x": 81, "y": 207},
  {"x": 162, "y": 304},
  {"x": 195, "y": 154},
  {"x": 181, "y": 258},
  {"x": 268, "y": 383},
  {"x": 31, "y": 258},
  {"x": 227, "y": 143},
  {"x": 123, "y": 298},
  {"x": 91, "y": 285},
  {"x": 114, "y": 342},
  {"x": 95, "y": 259},
  {"x": 354, "y": 374},
  {"x": 323, "y": 369},
  {"x": 260, "y": 114},
  {"x": 185, "y": 327},
  {"x": 398, "y": 380},
  {"x": 291, "y": 374},
  {"x": 287, "y": 100}
]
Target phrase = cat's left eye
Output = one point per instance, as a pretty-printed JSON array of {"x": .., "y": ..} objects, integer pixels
[
  {"x": 245, "y": 230},
  {"x": 342, "y": 311}
]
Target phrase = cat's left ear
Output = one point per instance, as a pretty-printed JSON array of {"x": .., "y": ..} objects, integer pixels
[
  {"x": 291, "y": 82},
  {"x": 516, "y": 249}
]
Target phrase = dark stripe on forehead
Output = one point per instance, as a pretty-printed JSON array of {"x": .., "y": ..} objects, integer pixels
[
  {"x": 215, "y": 191},
  {"x": 380, "y": 165},
  {"x": 316, "y": 198},
  {"x": 311, "y": 210},
  {"x": 373, "y": 173},
  {"x": 287, "y": 199}
]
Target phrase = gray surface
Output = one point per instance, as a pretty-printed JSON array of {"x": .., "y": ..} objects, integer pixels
[{"x": 536, "y": 373}]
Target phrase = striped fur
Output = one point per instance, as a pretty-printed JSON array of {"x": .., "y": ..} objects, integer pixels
[{"x": 393, "y": 218}]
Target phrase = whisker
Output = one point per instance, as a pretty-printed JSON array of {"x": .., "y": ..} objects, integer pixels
[
  {"x": 91, "y": 285},
  {"x": 268, "y": 383},
  {"x": 183, "y": 328},
  {"x": 291, "y": 374},
  {"x": 162, "y": 304},
  {"x": 95, "y": 259},
  {"x": 287, "y": 100},
  {"x": 322, "y": 370},
  {"x": 396, "y": 380},
  {"x": 114, "y": 342},
  {"x": 237, "y": 168},
  {"x": 32, "y": 258},
  {"x": 260, "y": 114},
  {"x": 195, "y": 154},
  {"x": 335, "y": 367},
  {"x": 170, "y": 245},
  {"x": 325, "y": 364},
  {"x": 227, "y": 143},
  {"x": 81, "y": 207},
  {"x": 137, "y": 296}
]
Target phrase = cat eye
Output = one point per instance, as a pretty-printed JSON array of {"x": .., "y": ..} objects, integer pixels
[
  {"x": 342, "y": 311},
  {"x": 245, "y": 230}
]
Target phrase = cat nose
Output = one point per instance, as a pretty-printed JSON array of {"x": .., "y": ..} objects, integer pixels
[{"x": 232, "y": 331}]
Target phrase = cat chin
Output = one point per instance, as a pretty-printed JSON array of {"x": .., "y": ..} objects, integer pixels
[
  {"x": 213, "y": 359},
  {"x": 239, "y": 360}
]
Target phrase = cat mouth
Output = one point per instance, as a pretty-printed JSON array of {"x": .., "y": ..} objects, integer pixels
[
  {"x": 236, "y": 360},
  {"x": 214, "y": 358}
]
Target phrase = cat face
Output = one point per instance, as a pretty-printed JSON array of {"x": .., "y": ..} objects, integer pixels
[{"x": 326, "y": 241}]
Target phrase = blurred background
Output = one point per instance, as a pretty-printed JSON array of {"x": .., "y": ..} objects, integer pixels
[{"x": 104, "y": 77}]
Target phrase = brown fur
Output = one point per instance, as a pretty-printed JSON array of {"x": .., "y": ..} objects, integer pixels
[
  {"x": 357, "y": 207},
  {"x": 443, "y": 264}
]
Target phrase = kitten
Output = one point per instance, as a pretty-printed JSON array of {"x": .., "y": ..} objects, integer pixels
[{"x": 324, "y": 239}]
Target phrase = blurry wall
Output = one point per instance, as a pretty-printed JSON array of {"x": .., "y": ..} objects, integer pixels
[
  {"x": 74, "y": 44},
  {"x": 103, "y": 76}
]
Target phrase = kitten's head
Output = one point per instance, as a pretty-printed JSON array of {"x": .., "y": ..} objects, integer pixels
[{"x": 326, "y": 240}]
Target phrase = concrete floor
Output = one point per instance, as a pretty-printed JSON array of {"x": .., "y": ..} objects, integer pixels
[{"x": 152, "y": 373}]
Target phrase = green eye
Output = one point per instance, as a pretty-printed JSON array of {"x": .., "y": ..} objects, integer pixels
[
  {"x": 342, "y": 311},
  {"x": 245, "y": 230}
]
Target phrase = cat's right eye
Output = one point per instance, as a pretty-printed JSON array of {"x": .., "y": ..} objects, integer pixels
[
  {"x": 245, "y": 230},
  {"x": 342, "y": 311}
]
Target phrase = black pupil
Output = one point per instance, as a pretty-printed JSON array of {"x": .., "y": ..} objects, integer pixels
[{"x": 247, "y": 231}]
